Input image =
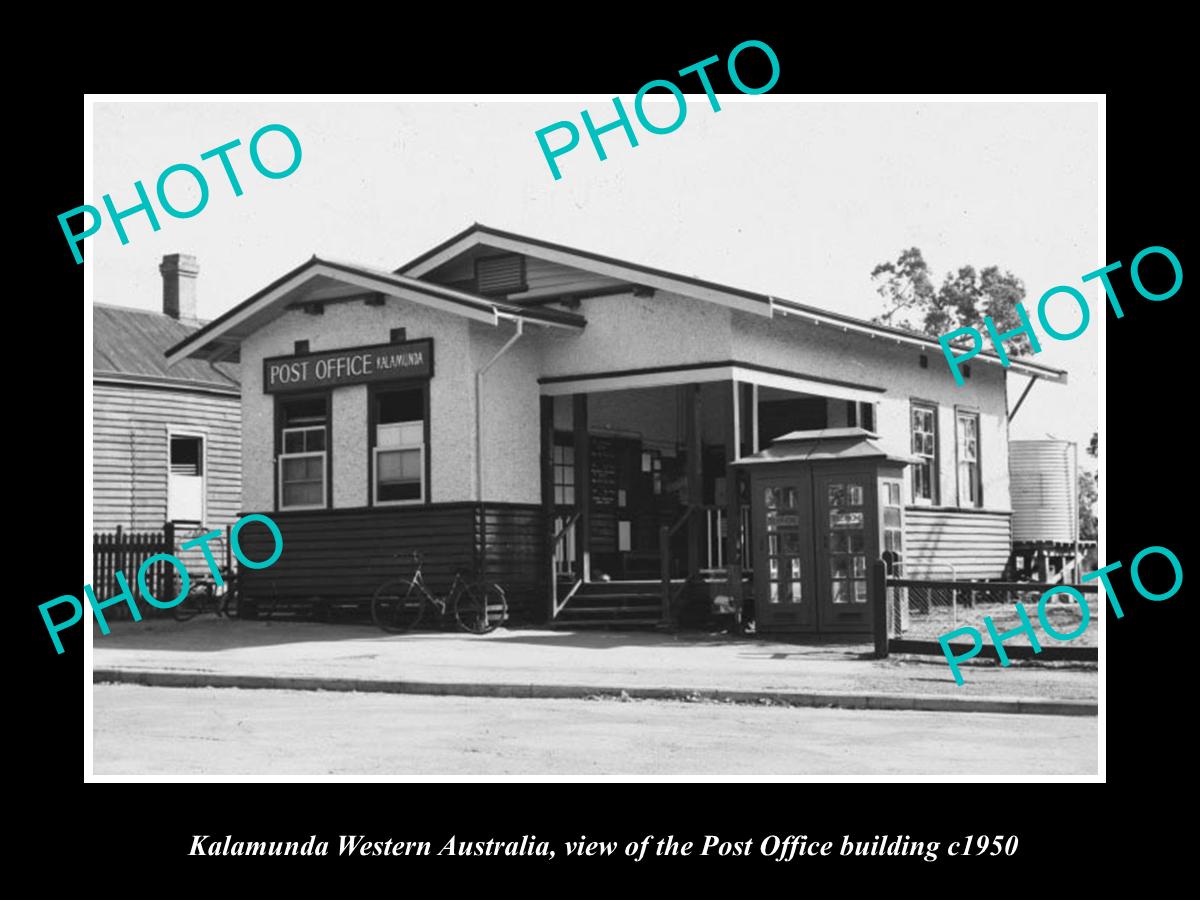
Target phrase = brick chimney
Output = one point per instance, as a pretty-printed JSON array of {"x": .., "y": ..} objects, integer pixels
[{"x": 179, "y": 273}]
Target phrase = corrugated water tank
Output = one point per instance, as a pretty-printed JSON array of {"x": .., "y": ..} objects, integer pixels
[{"x": 1043, "y": 483}]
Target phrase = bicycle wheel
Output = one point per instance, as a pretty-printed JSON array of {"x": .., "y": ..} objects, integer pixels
[
  {"x": 397, "y": 606},
  {"x": 481, "y": 607}
]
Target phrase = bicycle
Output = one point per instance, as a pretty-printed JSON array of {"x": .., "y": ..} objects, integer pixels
[
  {"x": 399, "y": 604},
  {"x": 204, "y": 597}
]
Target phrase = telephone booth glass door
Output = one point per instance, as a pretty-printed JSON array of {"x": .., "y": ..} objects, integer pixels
[
  {"x": 845, "y": 518},
  {"x": 784, "y": 553}
]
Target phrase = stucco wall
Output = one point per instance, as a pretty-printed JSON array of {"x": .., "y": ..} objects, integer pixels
[
  {"x": 511, "y": 415},
  {"x": 355, "y": 324},
  {"x": 628, "y": 332},
  {"x": 828, "y": 352}
]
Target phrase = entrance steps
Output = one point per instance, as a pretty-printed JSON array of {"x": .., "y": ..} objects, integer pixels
[{"x": 617, "y": 604}]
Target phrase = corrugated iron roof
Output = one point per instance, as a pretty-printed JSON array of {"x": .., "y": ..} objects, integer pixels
[{"x": 129, "y": 344}]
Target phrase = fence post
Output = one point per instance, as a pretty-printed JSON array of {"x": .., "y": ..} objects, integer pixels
[
  {"x": 664, "y": 571},
  {"x": 168, "y": 572},
  {"x": 118, "y": 557},
  {"x": 879, "y": 590}
]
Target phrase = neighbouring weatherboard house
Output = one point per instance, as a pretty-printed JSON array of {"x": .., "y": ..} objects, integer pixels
[
  {"x": 166, "y": 439},
  {"x": 584, "y": 430}
]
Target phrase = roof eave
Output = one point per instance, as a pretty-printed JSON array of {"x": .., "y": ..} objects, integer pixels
[
  {"x": 481, "y": 308},
  {"x": 761, "y": 304}
]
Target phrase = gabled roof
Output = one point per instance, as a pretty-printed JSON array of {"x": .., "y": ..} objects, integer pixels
[
  {"x": 326, "y": 275},
  {"x": 636, "y": 273},
  {"x": 129, "y": 345}
]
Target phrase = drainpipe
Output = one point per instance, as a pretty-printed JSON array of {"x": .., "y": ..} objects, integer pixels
[{"x": 479, "y": 404}]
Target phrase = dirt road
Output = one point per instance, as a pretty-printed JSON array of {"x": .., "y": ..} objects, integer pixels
[{"x": 213, "y": 731}]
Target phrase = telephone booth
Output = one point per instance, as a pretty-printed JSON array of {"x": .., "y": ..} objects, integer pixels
[{"x": 823, "y": 505}]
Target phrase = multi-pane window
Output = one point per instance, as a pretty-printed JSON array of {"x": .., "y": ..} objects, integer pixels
[
  {"x": 970, "y": 490},
  {"x": 302, "y": 457},
  {"x": 399, "y": 451},
  {"x": 564, "y": 474},
  {"x": 893, "y": 536},
  {"x": 924, "y": 447},
  {"x": 847, "y": 543}
]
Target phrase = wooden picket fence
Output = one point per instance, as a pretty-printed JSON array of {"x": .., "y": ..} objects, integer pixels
[{"x": 125, "y": 552}]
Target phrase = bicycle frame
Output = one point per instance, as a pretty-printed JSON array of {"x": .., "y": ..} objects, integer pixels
[
  {"x": 397, "y": 609},
  {"x": 442, "y": 602}
]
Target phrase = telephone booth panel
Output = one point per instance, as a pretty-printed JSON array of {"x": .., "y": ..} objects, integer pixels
[
  {"x": 845, "y": 513},
  {"x": 824, "y": 505},
  {"x": 784, "y": 573}
]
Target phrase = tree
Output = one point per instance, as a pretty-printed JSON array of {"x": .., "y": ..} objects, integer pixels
[
  {"x": 964, "y": 298},
  {"x": 1089, "y": 483}
]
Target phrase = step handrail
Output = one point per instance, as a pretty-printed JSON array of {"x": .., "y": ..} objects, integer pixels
[
  {"x": 559, "y": 607},
  {"x": 555, "y": 540}
]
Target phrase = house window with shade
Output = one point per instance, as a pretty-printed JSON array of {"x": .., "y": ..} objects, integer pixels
[
  {"x": 398, "y": 451},
  {"x": 303, "y": 453},
  {"x": 185, "y": 479}
]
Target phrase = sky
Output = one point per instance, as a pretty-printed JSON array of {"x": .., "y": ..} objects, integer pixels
[{"x": 795, "y": 199}]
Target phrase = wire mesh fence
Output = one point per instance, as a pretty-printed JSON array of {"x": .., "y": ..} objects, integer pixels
[{"x": 926, "y": 610}]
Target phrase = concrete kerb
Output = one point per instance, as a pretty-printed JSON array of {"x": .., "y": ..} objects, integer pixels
[{"x": 848, "y": 700}]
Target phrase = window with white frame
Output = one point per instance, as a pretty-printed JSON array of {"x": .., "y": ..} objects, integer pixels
[
  {"x": 303, "y": 443},
  {"x": 970, "y": 488},
  {"x": 564, "y": 471},
  {"x": 924, "y": 447},
  {"x": 398, "y": 456},
  {"x": 185, "y": 479}
]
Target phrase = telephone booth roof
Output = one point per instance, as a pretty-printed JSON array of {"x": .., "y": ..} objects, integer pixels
[{"x": 823, "y": 444}]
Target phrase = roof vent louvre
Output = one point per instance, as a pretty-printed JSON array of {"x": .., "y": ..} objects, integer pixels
[{"x": 496, "y": 275}]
